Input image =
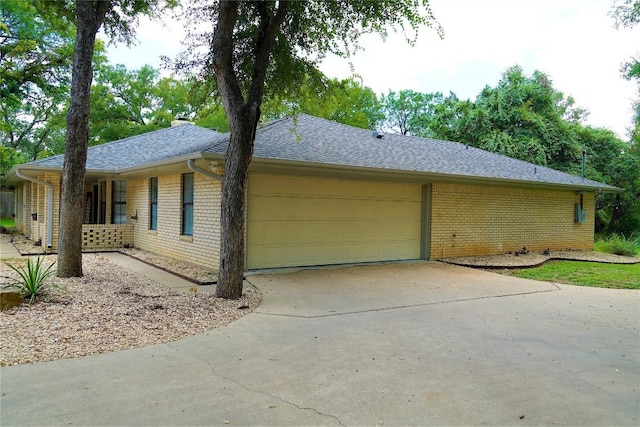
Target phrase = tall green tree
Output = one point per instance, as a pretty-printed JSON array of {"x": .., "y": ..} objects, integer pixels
[
  {"x": 257, "y": 48},
  {"x": 118, "y": 17},
  {"x": 623, "y": 215},
  {"x": 8, "y": 158},
  {"x": 615, "y": 162},
  {"x": 522, "y": 116},
  {"x": 408, "y": 112},
  {"x": 129, "y": 102},
  {"x": 35, "y": 69},
  {"x": 344, "y": 101}
]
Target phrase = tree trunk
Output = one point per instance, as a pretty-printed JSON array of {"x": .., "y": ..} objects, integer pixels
[
  {"x": 618, "y": 212},
  {"x": 89, "y": 18},
  {"x": 231, "y": 271},
  {"x": 242, "y": 114}
]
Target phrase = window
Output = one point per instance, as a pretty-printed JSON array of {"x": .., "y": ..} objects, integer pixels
[
  {"x": 153, "y": 203},
  {"x": 119, "y": 202},
  {"x": 187, "y": 204},
  {"x": 102, "y": 215}
]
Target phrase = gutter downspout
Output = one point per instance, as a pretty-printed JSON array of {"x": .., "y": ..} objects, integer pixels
[
  {"x": 194, "y": 168},
  {"x": 49, "y": 200}
]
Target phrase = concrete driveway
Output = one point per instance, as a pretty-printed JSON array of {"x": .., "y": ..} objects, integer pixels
[{"x": 395, "y": 344}]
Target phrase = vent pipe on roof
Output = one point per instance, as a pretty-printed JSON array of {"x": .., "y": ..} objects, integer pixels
[
  {"x": 194, "y": 168},
  {"x": 584, "y": 153},
  {"x": 49, "y": 186}
]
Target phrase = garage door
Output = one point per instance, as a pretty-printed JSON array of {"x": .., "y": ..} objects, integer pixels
[{"x": 296, "y": 221}]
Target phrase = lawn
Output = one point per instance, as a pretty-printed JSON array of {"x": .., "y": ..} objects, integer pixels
[
  {"x": 596, "y": 274},
  {"x": 6, "y": 222}
]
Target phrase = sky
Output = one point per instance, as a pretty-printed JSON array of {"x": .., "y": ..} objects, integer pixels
[{"x": 573, "y": 41}]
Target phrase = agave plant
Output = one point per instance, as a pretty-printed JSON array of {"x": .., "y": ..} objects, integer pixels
[{"x": 33, "y": 277}]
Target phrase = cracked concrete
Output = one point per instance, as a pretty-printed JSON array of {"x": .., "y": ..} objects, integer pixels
[
  {"x": 270, "y": 395},
  {"x": 407, "y": 344}
]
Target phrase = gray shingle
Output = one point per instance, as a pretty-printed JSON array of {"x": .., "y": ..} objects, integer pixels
[
  {"x": 310, "y": 139},
  {"x": 142, "y": 149},
  {"x": 315, "y": 140}
]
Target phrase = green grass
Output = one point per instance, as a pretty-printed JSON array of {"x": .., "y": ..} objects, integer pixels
[
  {"x": 596, "y": 274},
  {"x": 7, "y": 222},
  {"x": 619, "y": 245}
]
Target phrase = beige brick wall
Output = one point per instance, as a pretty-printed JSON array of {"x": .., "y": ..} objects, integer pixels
[
  {"x": 55, "y": 180},
  {"x": 106, "y": 236},
  {"x": 471, "y": 220},
  {"x": 203, "y": 247}
]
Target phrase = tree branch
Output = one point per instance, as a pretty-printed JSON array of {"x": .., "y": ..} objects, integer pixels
[
  {"x": 222, "y": 48},
  {"x": 268, "y": 29}
]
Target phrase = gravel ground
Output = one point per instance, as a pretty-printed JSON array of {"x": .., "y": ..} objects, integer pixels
[
  {"x": 529, "y": 259},
  {"x": 110, "y": 309},
  {"x": 184, "y": 269}
]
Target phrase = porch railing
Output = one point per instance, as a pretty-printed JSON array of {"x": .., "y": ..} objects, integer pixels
[{"x": 106, "y": 236}]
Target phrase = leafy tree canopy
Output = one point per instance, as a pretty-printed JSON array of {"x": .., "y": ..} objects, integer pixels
[
  {"x": 522, "y": 116},
  {"x": 344, "y": 101},
  {"x": 312, "y": 30},
  {"x": 35, "y": 69},
  {"x": 626, "y": 13}
]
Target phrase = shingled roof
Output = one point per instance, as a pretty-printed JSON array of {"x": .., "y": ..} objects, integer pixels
[
  {"x": 309, "y": 139},
  {"x": 150, "y": 147},
  {"x": 312, "y": 140}
]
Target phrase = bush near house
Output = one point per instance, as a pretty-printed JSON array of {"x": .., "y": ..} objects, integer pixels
[
  {"x": 33, "y": 278},
  {"x": 619, "y": 244},
  {"x": 7, "y": 222}
]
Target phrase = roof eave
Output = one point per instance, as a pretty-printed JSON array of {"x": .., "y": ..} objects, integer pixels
[
  {"x": 34, "y": 170},
  {"x": 263, "y": 164},
  {"x": 167, "y": 162}
]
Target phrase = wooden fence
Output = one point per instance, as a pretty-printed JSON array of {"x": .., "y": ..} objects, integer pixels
[{"x": 6, "y": 204}]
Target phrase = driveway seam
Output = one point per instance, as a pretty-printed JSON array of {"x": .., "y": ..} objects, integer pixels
[
  {"x": 399, "y": 307},
  {"x": 215, "y": 373}
]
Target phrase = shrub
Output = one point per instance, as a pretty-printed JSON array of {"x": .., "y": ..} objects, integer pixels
[
  {"x": 33, "y": 278},
  {"x": 619, "y": 245}
]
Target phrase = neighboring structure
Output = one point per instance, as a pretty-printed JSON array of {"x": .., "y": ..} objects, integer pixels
[
  {"x": 7, "y": 199},
  {"x": 319, "y": 193}
]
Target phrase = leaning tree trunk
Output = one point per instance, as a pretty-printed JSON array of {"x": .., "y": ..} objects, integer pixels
[
  {"x": 231, "y": 271},
  {"x": 89, "y": 18},
  {"x": 243, "y": 115}
]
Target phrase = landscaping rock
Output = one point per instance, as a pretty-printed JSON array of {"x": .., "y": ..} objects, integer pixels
[{"x": 10, "y": 298}]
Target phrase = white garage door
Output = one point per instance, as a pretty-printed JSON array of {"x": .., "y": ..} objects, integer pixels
[{"x": 296, "y": 221}]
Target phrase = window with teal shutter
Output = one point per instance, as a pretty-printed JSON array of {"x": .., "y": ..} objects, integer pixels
[
  {"x": 187, "y": 204},
  {"x": 153, "y": 203}
]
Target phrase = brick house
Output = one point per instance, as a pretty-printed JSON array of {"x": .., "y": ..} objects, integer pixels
[{"x": 319, "y": 193}]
